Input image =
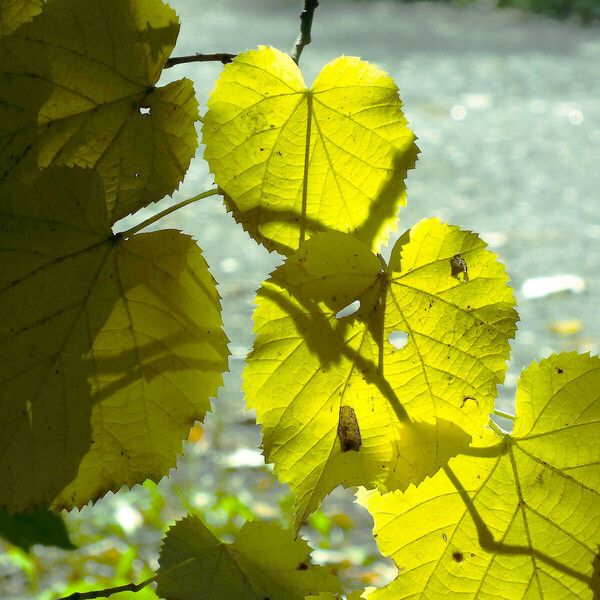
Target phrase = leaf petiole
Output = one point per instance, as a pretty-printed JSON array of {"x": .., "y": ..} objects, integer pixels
[
  {"x": 167, "y": 211},
  {"x": 306, "y": 19}
]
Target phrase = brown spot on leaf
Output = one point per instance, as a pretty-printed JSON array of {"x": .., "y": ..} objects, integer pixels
[
  {"x": 348, "y": 430},
  {"x": 458, "y": 557}
]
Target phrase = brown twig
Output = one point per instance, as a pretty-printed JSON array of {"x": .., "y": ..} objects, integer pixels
[
  {"x": 222, "y": 57},
  {"x": 130, "y": 587},
  {"x": 306, "y": 19}
]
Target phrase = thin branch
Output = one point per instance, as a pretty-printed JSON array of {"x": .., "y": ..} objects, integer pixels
[
  {"x": 166, "y": 212},
  {"x": 306, "y": 19},
  {"x": 130, "y": 587},
  {"x": 222, "y": 57}
]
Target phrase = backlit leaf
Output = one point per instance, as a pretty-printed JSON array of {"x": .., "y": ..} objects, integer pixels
[
  {"x": 338, "y": 402},
  {"x": 77, "y": 88},
  {"x": 264, "y": 562},
  {"x": 16, "y": 12},
  {"x": 294, "y": 160},
  {"x": 517, "y": 519},
  {"x": 111, "y": 347}
]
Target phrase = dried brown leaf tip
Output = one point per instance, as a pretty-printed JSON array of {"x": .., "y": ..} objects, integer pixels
[{"x": 348, "y": 430}]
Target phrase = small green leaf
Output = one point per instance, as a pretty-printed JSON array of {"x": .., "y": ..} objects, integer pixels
[
  {"x": 294, "y": 160},
  {"x": 517, "y": 516},
  {"x": 338, "y": 402},
  {"x": 77, "y": 94},
  {"x": 264, "y": 562},
  {"x": 37, "y": 527},
  {"x": 14, "y": 13},
  {"x": 111, "y": 347}
]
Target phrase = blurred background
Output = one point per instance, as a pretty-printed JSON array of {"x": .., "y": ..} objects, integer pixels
[{"x": 505, "y": 103}]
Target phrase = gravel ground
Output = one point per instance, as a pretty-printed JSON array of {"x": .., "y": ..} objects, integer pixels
[{"x": 507, "y": 114}]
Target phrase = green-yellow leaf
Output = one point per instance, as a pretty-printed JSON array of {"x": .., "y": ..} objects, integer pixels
[
  {"x": 77, "y": 87},
  {"x": 293, "y": 160},
  {"x": 264, "y": 562},
  {"x": 110, "y": 347},
  {"x": 515, "y": 520},
  {"x": 338, "y": 403},
  {"x": 16, "y": 12}
]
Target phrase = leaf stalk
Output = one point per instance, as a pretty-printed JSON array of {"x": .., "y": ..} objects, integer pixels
[
  {"x": 167, "y": 211},
  {"x": 306, "y": 19}
]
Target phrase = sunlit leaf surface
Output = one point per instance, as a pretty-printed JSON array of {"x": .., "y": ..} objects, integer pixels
[
  {"x": 339, "y": 398},
  {"x": 517, "y": 519},
  {"x": 77, "y": 88},
  {"x": 110, "y": 347},
  {"x": 263, "y": 562},
  {"x": 294, "y": 160}
]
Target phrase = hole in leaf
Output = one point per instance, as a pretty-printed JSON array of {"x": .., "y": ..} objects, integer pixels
[
  {"x": 137, "y": 175},
  {"x": 348, "y": 310},
  {"x": 398, "y": 339},
  {"x": 467, "y": 399},
  {"x": 144, "y": 110}
]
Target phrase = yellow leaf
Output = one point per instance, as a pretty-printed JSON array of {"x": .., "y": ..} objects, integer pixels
[
  {"x": 338, "y": 403},
  {"x": 111, "y": 347},
  {"x": 569, "y": 327},
  {"x": 516, "y": 516},
  {"x": 343, "y": 521},
  {"x": 293, "y": 160},
  {"x": 196, "y": 434}
]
